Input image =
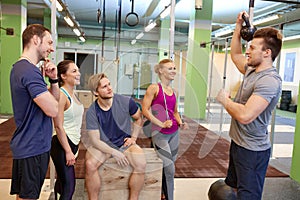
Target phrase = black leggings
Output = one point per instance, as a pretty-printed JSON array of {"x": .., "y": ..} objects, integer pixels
[{"x": 65, "y": 180}]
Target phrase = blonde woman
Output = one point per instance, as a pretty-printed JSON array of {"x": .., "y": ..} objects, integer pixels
[{"x": 165, "y": 118}]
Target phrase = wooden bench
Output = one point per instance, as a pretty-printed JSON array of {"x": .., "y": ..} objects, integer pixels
[{"x": 114, "y": 179}]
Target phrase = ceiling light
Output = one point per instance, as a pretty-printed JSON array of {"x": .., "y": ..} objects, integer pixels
[
  {"x": 139, "y": 36},
  {"x": 69, "y": 21},
  {"x": 150, "y": 26},
  {"x": 76, "y": 31},
  {"x": 82, "y": 39},
  {"x": 265, "y": 19},
  {"x": 228, "y": 49},
  {"x": 133, "y": 42},
  {"x": 165, "y": 12},
  {"x": 223, "y": 32},
  {"x": 294, "y": 37},
  {"x": 58, "y": 6}
]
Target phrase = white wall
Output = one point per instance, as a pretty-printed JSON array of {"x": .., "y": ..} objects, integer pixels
[
  {"x": 233, "y": 76},
  {"x": 128, "y": 56},
  {"x": 285, "y": 67}
]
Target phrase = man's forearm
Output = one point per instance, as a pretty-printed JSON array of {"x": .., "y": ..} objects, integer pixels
[
  {"x": 102, "y": 146},
  {"x": 54, "y": 90},
  {"x": 137, "y": 126}
]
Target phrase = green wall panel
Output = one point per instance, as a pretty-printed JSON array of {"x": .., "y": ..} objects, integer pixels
[
  {"x": 198, "y": 63},
  {"x": 10, "y": 50},
  {"x": 295, "y": 172},
  {"x": 291, "y": 44}
]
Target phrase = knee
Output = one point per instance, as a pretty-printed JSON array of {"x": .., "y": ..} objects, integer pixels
[
  {"x": 90, "y": 166},
  {"x": 137, "y": 159},
  {"x": 169, "y": 171},
  {"x": 141, "y": 166}
]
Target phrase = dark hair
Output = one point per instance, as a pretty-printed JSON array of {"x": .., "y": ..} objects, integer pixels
[
  {"x": 272, "y": 40},
  {"x": 32, "y": 30},
  {"x": 62, "y": 68}
]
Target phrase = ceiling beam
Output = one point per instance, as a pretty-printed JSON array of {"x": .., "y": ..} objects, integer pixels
[{"x": 285, "y": 1}]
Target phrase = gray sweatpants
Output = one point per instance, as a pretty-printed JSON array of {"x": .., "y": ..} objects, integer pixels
[{"x": 166, "y": 146}]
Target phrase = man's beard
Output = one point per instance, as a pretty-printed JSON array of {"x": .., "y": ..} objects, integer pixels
[
  {"x": 253, "y": 64},
  {"x": 105, "y": 97}
]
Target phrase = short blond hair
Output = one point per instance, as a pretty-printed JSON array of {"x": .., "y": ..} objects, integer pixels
[
  {"x": 94, "y": 82},
  {"x": 161, "y": 64}
]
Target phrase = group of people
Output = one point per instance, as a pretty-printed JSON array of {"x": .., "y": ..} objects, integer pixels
[
  {"x": 110, "y": 117},
  {"x": 108, "y": 123}
]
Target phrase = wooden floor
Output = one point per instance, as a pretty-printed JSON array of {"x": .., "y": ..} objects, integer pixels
[{"x": 202, "y": 153}]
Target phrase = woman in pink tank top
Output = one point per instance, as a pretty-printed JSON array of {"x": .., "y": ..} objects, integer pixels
[{"x": 160, "y": 107}]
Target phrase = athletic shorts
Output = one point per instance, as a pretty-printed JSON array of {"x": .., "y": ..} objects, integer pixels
[
  {"x": 246, "y": 171},
  {"x": 28, "y": 175}
]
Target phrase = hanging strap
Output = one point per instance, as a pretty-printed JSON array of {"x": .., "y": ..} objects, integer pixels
[
  {"x": 66, "y": 93},
  {"x": 167, "y": 113}
]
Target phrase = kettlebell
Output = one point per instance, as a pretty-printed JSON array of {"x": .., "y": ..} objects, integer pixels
[
  {"x": 219, "y": 190},
  {"x": 248, "y": 30}
]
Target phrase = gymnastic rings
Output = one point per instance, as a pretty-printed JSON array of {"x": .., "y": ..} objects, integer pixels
[{"x": 132, "y": 18}]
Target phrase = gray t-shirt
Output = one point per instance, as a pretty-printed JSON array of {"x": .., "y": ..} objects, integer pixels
[{"x": 267, "y": 84}]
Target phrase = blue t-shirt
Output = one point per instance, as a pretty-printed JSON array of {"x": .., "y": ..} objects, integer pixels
[
  {"x": 114, "y": 124},
  {"x": 34, "y": 128}
]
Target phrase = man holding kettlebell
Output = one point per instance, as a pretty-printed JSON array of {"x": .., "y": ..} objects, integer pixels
[{"x": 251, "y": 110}]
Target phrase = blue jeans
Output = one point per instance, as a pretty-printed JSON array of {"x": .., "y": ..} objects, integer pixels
[{"x": 246, "y": 172}]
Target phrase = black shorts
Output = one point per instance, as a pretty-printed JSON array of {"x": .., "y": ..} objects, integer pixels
[{"x": 28, "y": 175}]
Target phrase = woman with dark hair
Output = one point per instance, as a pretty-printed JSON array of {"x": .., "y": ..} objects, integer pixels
[
  {"x": 165, "y": 119},
  {"x": 67, "y": 127}
]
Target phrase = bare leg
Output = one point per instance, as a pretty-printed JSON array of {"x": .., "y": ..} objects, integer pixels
[
  {"x": 93, "y": 160},
  {"x": 137, "y": 160},
  {"x": 136, "y": 183}
]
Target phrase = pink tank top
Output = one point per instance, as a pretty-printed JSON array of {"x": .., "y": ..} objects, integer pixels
[{"x": 158, "y": 108}]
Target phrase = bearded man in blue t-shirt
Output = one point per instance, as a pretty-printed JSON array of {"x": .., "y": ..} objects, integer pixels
[{"x": 34, "y": 105}]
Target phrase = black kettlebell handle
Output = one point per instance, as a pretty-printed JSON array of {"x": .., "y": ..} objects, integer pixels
[
  {"x": 246, "y": 19},
  {"x": 247, "y": 31}
]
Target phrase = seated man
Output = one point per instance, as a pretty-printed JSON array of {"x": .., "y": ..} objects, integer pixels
[{"x": 108, "y": 124}]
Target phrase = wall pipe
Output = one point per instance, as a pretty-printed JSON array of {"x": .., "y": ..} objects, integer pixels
[
  {"x": 273, "y": 119},
  {"x": 53, "y": 59},
  {"x": 119, "y": 29},
  {"x": 223, "y": 86},
  {"x": 210, "y": 75},
  {"x": 172, "y": 29},
  {"x": 103, "y": 34}
]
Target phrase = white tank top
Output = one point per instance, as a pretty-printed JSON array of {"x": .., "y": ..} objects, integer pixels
[{"x": 73, "y": 119}]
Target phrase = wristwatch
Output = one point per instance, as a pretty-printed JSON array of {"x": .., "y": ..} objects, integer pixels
[{"x": 53, "y": 81}]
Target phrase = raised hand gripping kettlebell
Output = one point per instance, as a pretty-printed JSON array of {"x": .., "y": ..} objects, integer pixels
[{"x": 248, "y": 30}]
